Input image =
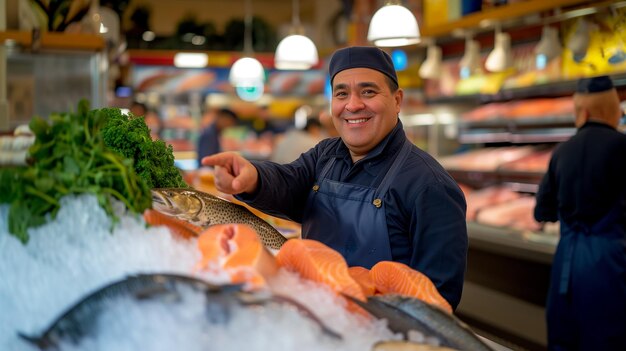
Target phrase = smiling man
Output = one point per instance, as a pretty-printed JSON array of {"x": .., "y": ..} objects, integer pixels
[{"x": 370, "y": 193}]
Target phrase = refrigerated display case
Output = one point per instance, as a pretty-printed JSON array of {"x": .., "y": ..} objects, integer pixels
[{"x": 50, "y": 72}]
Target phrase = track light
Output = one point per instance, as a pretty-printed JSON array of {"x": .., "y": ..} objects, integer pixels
[
  {"x": 500, "y": 58},
  {"x": 470, "y": 62},
  {"x": 548, "y": 47},
  {"x": 431, "y": 67}
]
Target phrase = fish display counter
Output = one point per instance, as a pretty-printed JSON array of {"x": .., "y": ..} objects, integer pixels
[
  {"x": 105, "y": 246},
  {"x": 506, "y": 283}
]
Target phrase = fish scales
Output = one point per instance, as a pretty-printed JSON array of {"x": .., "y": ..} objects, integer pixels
[
  {"x": 449, "y": 329},
  {"x": 80, "y": 319},
  {"x": 204, "y": 210},
  {"x": 406, "y": 314}
]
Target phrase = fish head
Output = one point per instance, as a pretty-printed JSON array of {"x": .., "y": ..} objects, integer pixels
[{"x": 176, "y": 202}]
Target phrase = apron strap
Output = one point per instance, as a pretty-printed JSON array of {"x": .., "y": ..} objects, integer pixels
[
  {"x": 391, "y": 173},
  {"x": 325, "y": 171}
]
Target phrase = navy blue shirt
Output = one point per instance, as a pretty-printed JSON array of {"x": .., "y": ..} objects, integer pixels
[
  {"x": 586, "y": 177},
  {"x": 425, "y": 209}
]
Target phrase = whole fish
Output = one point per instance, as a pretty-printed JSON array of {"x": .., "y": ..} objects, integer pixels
[
  {"x": 81, "y": 319},
  {"x": 405, "y": 314},
  {"x": 203, "y": 209},
  {"x": 402, "y": 345}
]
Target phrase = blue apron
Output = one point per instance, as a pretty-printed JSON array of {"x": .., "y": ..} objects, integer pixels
[
  {"x": 586, "y": 307},
  {"x": 351, "y": 218}
]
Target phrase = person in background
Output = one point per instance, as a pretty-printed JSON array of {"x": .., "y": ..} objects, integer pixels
[
  {"x": 295, "y": 142},
  {"x": 370, "y": 194},
  {"x": 209, "y": 140},
  {"x": 138, "y": 109},
  {"x": 585, "y": 189},
  {"x": 327, "y": 122},
  {"x": 153, "y": 121}
]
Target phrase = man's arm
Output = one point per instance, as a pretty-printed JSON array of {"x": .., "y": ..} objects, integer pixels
[
  {"x": 439, "y": 238},
  {"x": 546, "y": 208}
]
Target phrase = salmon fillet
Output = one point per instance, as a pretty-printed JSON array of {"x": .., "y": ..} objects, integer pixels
[
  {"x": 398, "y": 278},
  {"x": 315, "y": 261},
  {"x": 237, "y": 249},
  {"x": 176, "y": 226},
  {"x": 362, "y": 276}
]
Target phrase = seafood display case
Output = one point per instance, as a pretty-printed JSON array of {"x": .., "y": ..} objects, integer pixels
[{"x": 510, "y": 137}]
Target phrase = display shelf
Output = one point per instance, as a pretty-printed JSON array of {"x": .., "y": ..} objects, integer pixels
[
  {"x": 498, "y": 14},
  {"x": 532, "y": 246},
  {"x": 549, "y": 129},
  {"x": 55, "y": 40},
  {"x": 544, "y": 90},
  {"x": 516, "y": 180},
  {"x": 552, "y": 135}
]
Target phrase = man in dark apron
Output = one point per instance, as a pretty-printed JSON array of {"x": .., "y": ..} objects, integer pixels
[
  {"x": 370, "y": 194},
  {"x": 585, "y": 189}
]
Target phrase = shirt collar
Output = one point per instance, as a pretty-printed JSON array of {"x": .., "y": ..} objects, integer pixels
[
  {"x": 389, "y": 145},
  {"x": 596, "y": 124}
]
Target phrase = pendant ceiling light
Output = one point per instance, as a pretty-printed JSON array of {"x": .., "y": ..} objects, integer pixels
[
  {"x": 470, "y": 62},
  {"x": 548, "y": 47},
  {"x": 247, "y": 73},
  {"x": 393, "y": 25},
  {"x": 431, "y": 67},
  {"x": 500, "y": 58},
  {"x": 296, "y": 51}
]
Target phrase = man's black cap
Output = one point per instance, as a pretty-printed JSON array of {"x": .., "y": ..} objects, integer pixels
[
  {"x": 362, "y": 57},
  {"x": 594, "y": 85}
]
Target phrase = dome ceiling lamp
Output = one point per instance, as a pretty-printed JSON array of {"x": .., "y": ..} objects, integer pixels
[
  {"x": 296, "y": 51},
  {"x": 247, "y": 74},
  {"x": 393, "y": 25}
]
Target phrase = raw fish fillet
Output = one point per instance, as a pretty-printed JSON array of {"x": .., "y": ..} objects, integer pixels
[
  {"x": 398, "y": 278},
  {"x": 516, "y": 214},
  {"x": 362, "y": 276},
  {"x": 315, "y": 261},
  {"x": 490, "y": 196},
  {"x": 237, "y": 249}
]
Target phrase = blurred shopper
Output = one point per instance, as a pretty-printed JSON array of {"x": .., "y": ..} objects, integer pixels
[
  {"x": 371, "y": 194},
  {"x": 327, "y": 122},
  {"x": 295, "y": 142},
  {"x": 585, "y": 189},
  {"x": 209, "y": 142}
]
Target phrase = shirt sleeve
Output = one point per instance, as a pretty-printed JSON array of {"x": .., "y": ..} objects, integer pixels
[
  {"x": 283, "y": 188},
  {"x": 439, "y": 238},
  {"x": 546, "y": 208}
]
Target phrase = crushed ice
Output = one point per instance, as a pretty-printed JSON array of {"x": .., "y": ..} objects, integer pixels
[{"x": 77, "y": 253}]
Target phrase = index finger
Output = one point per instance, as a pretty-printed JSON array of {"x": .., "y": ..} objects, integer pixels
[{"x": 221, "y": 159}]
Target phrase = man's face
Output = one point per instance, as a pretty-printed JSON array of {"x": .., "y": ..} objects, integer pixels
[{"x": 364, "y": 109}]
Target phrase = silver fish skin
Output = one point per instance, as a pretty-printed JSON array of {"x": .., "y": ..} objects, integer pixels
[
  {"x": 401, "y": 345},
  {"x": 80, "y": 320},
  {"x": 406, "y": 313},
  {"x": 204, "y": 210}
]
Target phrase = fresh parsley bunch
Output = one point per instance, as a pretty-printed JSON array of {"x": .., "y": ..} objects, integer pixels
[{"x": 69, "y": 156}]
